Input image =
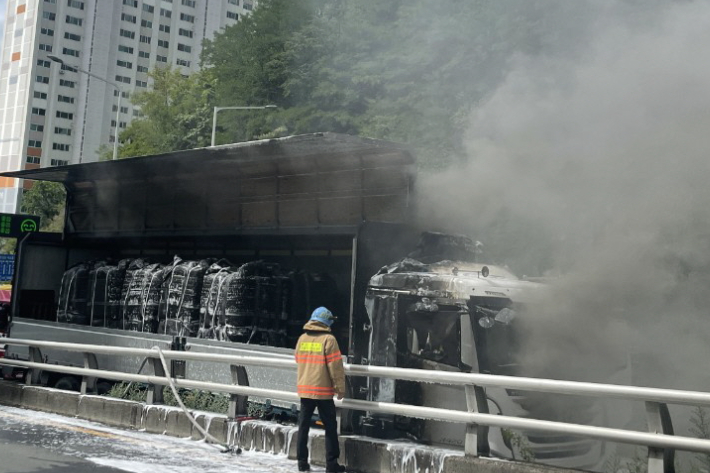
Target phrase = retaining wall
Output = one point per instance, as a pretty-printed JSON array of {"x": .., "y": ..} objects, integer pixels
[{"x": 360, "y": 454}]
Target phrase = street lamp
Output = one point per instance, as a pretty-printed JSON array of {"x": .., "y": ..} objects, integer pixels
[
  {"x": 217, "y": 109},
  {"x": 102, "y": 79}
]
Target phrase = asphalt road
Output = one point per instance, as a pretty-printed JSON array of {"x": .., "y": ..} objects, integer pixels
[{"x": 33, "y": 442}]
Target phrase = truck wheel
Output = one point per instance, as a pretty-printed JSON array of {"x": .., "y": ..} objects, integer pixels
[{"x": 67, "y": 383}]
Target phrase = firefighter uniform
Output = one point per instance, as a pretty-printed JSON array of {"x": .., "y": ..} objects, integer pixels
[{"x": 320, "y": 377}]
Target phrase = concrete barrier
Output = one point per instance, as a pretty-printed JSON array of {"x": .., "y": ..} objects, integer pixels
[{"x": 360, "y": 454}]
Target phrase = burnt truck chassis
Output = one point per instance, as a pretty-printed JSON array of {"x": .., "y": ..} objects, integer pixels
[{"x": 322, "y": 202}]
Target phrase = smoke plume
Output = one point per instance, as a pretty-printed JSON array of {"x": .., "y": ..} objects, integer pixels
[{"x": 595, "y": 166}]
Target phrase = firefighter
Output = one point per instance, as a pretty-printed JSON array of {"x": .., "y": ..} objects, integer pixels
[{"x": 320, "y": 377}]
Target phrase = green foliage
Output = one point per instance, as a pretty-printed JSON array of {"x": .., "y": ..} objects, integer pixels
[
  {"x": 46, "y": 200},
  {"x": 519, "y": 445},
  {"x": 193, "y": 399},
  {"x": 701, "y": 429},
  {"x": 176, "y": 115},
  {"x": 397, "y": 70}
]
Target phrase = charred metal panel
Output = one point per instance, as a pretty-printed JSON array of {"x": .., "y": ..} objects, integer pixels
[{"x": 310, "y": 182}]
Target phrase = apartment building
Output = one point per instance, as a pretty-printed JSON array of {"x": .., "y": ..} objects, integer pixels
[{"x": 54, "y": 114}]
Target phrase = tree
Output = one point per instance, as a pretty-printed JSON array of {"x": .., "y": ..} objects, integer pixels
[
  {"x": 177, "y": 114},
  {"x": 45, "y": 200}
]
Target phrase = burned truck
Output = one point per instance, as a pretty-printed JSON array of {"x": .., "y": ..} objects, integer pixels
[{"x": 228, "y": 249}]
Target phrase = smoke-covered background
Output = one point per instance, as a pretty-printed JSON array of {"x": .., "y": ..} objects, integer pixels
[{"x": 592, "y": 164}]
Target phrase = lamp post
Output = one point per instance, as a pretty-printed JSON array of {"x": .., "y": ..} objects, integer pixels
[
  {"x": 102, "y": 79},
  {"x": 217, "y": 109}
]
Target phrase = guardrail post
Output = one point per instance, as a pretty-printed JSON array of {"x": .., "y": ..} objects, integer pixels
[
  {"x": 88, "y": 383},
  {"x": 238, "y": 402},
  {"x": 34, "y": 375},
  {"x": 660, "y": 460},
  {"x": 476, "y": 442},
  {"x": 155, "y": 392}
]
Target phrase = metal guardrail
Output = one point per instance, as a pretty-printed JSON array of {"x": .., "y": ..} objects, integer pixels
[{"x": 660, "y": 440}]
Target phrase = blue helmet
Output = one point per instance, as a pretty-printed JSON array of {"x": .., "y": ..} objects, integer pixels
[{"x": 323, "y": 315}]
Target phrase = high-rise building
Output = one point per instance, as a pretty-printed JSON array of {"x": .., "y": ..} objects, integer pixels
[{"x": 52, "y": 114}]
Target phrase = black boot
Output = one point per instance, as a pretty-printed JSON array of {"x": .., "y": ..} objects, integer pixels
[
  {"x": 304, "y": 466},
  {"x": 334, "y": 468}
]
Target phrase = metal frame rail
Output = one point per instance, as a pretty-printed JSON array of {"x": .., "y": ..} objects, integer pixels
[{"x": 660, "y": 440}]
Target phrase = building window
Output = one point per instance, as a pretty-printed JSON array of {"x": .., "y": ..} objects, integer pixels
[
  {"x": 48, "y": 15},
  {"x": 124, "y": 109},
  {"x": 163, "y": 43},
  {"x": 189, "y": 3},
  {"x": 141, "y": 83},
  {"x": 47, "y": 31},
  {"x": 124, "y": 79},
  {"x": 166, "y": 13},
  {"x": 124, "y": 94},
  {"x": 141, "y": 68},
  {"x": 72, "y": 36},
  {"x": 128, "y": 34},
  {"x": 131, "y": 3},
  {"x": 50, "y": 1},
  {"x": 137, "y": 113},
  {"x": 42, "y": 79},
  {"x": 126, "y": 64},
  {"x": 38, "y": 111},
  {"x": 128, "y": 18},
  {"x": 60, "y": 146},
  {"x": 36, "y": 127},
  {"x": 146, "y": 23},
  {"x": 185, "y": 17},
  {"x": 65, "y": 99},
  {"x": 43, "y": 63},
  {"x": 148, "y": 8},
  {"x": 34, "y": 143},
  {"x": 72, "y": 20},
  {"x": 125, "y": 49},
  {"x": 182, "y": 62},
  {"x": 248, "y": 6},
  {"x": 33, "y": 160},
  {"x": 45, "y": 47},
  {"x": 164, "y": 28},
  {"x": 40, "y": 95},
  {"x": 184, "y": 47},
  {"x": 62, "y": 131},
  {"x": 184, "y": 32},
  {"x": 160, "y": 58},
  {"x": 70, "y": 52},
  {"x": 66, "y": 83},
  {"x": 232, "y": 16},
  {"x": 76, "y": 4},
  {"x": 67, "y": 115},
  {"x": 59, "y": 162},
  {"x": 233, "y": 2},
  {"x": 144, "y": 54},
  {"x": 145, "y": 39}
]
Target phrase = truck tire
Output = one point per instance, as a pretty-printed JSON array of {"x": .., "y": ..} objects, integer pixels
[{"x": 67, "y": 383}]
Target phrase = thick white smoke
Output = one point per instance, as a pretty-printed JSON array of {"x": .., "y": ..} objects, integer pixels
[{"x": 606, "y": 159}]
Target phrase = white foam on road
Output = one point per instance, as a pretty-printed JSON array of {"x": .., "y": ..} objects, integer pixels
[{"x": 134, "y": 451}]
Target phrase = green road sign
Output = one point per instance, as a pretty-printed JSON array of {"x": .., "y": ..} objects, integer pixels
[{"x": 16, "y": 225}]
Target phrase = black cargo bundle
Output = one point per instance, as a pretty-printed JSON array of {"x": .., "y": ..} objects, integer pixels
[
  {"x": 141, "y": 294},
  {"x": 105, "y": 286},
  {"x": 73, "y": 295},
  {"x": 213, "y": 299},
  {"x": 257, "y": 302},
  {"x": 254, "y": 303},
  {"x": 182, "y": 288}
]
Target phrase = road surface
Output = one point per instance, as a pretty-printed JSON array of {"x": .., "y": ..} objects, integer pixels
[{"x": 39, "y": 442}]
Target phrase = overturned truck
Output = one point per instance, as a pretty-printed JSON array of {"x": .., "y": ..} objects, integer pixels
[{"x": 228, "y": 249}]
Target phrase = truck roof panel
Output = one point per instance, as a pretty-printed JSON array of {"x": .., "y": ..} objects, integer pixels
[{"x": 316, "y": 182}]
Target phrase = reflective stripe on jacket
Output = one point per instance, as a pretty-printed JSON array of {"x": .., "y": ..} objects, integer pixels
[{"x": 320, "y": 363}]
